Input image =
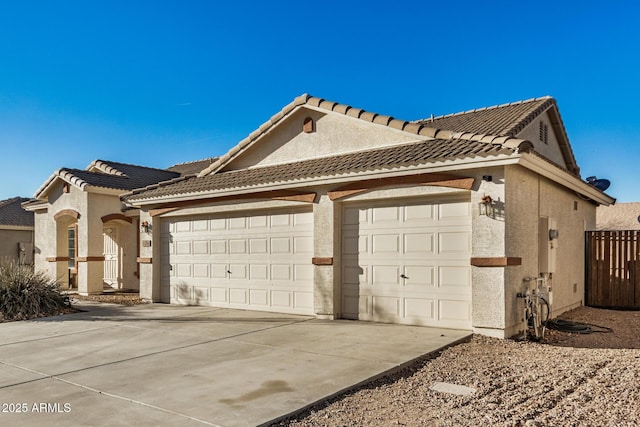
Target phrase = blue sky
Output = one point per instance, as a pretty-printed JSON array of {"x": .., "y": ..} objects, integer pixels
[{"x": 162, "y": 82}]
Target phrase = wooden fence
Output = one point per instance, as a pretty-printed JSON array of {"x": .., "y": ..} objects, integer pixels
[{"x": 613, "y": 269}]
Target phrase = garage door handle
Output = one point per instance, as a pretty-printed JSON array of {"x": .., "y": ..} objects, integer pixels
[
  {"x": 403, "y": 276},
  {"x": 228, "y": 271}
]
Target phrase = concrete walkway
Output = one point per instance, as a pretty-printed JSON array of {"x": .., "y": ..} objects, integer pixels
[{"x": 162, "y": 365}]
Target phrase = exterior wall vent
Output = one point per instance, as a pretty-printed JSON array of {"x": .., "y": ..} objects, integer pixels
[
  {"x": 544, "y": 133},
  {"x": 308, "y": 126}
]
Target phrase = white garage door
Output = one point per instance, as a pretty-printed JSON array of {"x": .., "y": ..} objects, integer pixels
[
  {"x": 408, "y": 263},
  {"x": 251, "y": 261}
]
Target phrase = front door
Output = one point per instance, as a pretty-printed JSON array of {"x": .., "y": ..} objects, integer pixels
[{"x": 111, "y": 258}]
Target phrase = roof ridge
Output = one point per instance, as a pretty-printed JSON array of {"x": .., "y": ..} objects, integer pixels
[
  {"x": 492, "y": 107},
  {"x": 107, "y": 162},
  {"x": 194, "y": 161},
  {"x": 9, "y": 200}
]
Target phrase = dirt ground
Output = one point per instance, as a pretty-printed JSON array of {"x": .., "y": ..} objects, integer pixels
[
  {"x": 569, "y": 380},
  {"x": 117, "y": 297}
]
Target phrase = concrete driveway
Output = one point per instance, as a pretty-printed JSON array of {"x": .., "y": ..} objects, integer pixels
[{"x": 168, "y": 365}]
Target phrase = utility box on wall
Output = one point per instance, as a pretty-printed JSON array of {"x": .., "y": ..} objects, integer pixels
[{"x": 547, "y": 244}]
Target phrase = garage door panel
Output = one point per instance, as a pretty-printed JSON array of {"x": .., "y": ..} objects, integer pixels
[
  {"x": 258, "y": 272},
  {"x": 258, "y": 222},
  {"x": 218, "y": 247},
  {"x": 385, "y": 244},
  {"x": 238, "y": 296},
  {"x": 281, "y": 299},
  {"x": 382, "y": 275},
  {"x": 303, "y": 219},
  {"x": 237, "y": 223},
  {"x": 201, "y": 270},
  {"x": 280, "y": 245},
  {"x": 259, "y": 297},
  {"x": 454, "y": 278},
  {"x": 237, "y": 246},
  {"x": 454, "y": 313},
  {"x": 454, "y": 210},
  {"x": 303, "y": 245},
  {"x": 238, "y": 271},
  {"x": 218, "y": 224},
  {"x": 419, "y": 214},
  {"x": 386, "y": 308},
  {"x": 183, "y": 248},
  {"x": 419, "y": 308},
  {"x": 259, "y": 246},
  {"x": 454, "y": 242},
  {"x": 303, "y": 273},
  {"x": 303, "y": 301},
  {"x": 419, "y": 244},
  {"x": 419, "y": 276},
  {"x": 427, "y": 241},
  {"x": 219, "y": 295}
]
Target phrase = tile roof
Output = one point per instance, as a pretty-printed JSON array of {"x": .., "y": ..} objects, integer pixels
[
  {"x": 505, "y": 119},
  {"x": 111, "y": 175},
  {"x": 192, "y": 168},
  {"x": 419, "y": 129},
  {"x": 399, "y": 156},
  {"x": 12, "y": 214}
]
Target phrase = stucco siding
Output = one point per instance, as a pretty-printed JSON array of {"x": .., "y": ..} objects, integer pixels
[
  {"x": 333, "y": 134},
  {"x": 488, "y": 241},
  {"x": 530, "y": 197},
  {"x": 550, "y": 150}
]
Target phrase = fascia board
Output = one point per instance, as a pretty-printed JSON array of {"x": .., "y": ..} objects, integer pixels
[
  {"x": 445, "y": 166},
  {"x": 17, "y": 227},
  {"x": 103, "y": 190},
  {"x": 554, "y": 173}
]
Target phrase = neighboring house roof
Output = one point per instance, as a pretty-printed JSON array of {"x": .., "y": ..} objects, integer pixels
[
  {"x": 395, "y": 157},
  {"x": 192, "y": 168},
  {"x": 621, "y": 216},
  {"x": 109, "y": 175},
  {"x": 12, "y": 213}
]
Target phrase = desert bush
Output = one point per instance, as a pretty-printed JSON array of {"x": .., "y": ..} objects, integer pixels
[{"x": 27, "y": 294}]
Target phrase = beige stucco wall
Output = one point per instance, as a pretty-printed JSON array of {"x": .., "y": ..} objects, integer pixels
[
  {"x": 551, "y": 150},
  {"x": 529, "y": 197},
  {"x": 334, "y": 134},
  {"x": 10, "y": 238},
  {"x": 488, "y": 293},
  {"x": 51, "y": 237},
  {"x": 621, "y": 216}
]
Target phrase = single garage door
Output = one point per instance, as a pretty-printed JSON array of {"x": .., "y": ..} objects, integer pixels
[
  {"x": 256, "y": 261},
  {"x": 408, "y": 262}
]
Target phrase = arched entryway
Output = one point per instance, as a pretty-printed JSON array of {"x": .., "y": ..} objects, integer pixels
[{"x": 66, "y": 262}]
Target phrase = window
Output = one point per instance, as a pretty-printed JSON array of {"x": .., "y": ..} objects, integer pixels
[{"x": 71, "y": 233}]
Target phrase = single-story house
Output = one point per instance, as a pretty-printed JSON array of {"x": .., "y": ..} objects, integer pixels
[
  {"x": 621, "y": 216},
  {"x": 16, "y": 231},
  {"x": 333, "y": 211},
  {"x": 84, "y": 237}
]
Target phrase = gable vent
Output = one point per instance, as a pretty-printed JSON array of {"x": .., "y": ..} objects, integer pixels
[{"x": 544, "y": 133}]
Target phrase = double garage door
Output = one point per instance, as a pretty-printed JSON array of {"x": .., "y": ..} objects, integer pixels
[
  {"x": 249, "y": 261},
  {"x": 408, "y": 263}
]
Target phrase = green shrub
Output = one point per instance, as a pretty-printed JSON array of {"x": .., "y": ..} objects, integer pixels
[{"x": 27, "y": 294}]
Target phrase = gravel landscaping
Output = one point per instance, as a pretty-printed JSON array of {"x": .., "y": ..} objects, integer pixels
[{"x": 569, "y": 380}]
